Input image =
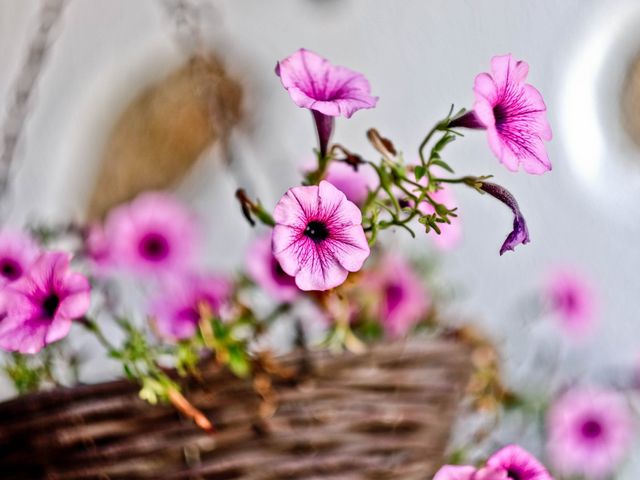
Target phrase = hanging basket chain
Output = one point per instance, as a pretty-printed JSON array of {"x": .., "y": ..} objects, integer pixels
[{"x": 23, "y": 91}]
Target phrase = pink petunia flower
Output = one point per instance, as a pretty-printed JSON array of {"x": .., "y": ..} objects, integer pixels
[
  {"x": 153, "y": 234},
  {"x": 176, "y": 311},
  {"x": 572, "y": 299},
  {"x": 327, "y": 90},
  {"x": 590, "y": 432},
  {"x": 450, "y": 233},
  {"x": 455, "y": 472},
  {"x": 265, "y": 270},
  {"x": 402, "y": 300},
  {"x": 514, "y": 462},
  {"x": 355, "y": 184},
  {"x": 514, "y": 115},
  {"x": 17, "y": 252},
  {"x": 39, "y": 307},
  {"x": 318, "y": 237}
]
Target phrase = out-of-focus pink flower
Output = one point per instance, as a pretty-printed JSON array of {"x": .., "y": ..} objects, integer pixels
[
  {"x": 514, "y": 462},
  {"x": 318, "y": 237},
  {"x": 572, "y": 298},
  {"x": 590, "y": 432},
  {"x": 17, "y": 252},
  {"x": 151, "y": 235},
  {"x": 265, "y": 270},
  {"x": 455, "y": 472},
  {"x": 327, "y": 90},
  {"x": 355, "y": 184},
  {"x": 514, "y": 115},
  {"x": 450, "y": 233},
  {"x": 401, "y": 298},
  {"x": 98, "y": 250},
  {"x": 40, "y": 305},
  {"x": 176, "y": 311}
]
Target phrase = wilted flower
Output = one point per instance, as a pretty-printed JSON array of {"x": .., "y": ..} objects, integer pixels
[
  {"x": 455, "y": 472},
  {"x": 355, "y": 184},
  {"x": 513, "y": 462},
  {"x": 265, "y": 270},
  {"x": 590, "y": 432},
  {"x": 318, "y": 237},
  {"x": 402, "y": 300},
  {"x": 514, "y": 115},
  {"x": 520, "y": 233},
  {"x": 327, "y": 90},
  {"x": 450, "y": 233},
  {"x": 39, "y": 306},
  {"x": 181, "y": 301},
  {"x": 153, "y": 234},
  {"x": 17, "y": 252},
  {"x": 572, "y": 298}
]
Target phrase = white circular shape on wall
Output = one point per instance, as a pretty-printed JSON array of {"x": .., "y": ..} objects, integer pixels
[{"x": 599, "y": 148}]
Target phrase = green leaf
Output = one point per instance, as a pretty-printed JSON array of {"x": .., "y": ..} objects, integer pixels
[
  {"x": 419, "y": 172},
  {"x": 443, "y": 164}
]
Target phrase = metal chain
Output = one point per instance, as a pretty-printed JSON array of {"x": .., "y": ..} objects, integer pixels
[{"x": 23, "y": 92}]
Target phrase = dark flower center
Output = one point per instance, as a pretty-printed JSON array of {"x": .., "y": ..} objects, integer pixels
[
  {"x": 10, "y": 269},
  {"x": 591, "y": 429},
  {"x": 50, "y": 305},
  {"x": 513, "y": 474},
  {"x": 499, "y": 113},
  {"x": 154, "y": 247},
  {"x": 394, "y": 294},
  {"x": 316, "y": 231},
  {"x": 567, "y": 301}
]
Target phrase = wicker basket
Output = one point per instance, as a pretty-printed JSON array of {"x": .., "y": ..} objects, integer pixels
[{"x": 383, "y": 414}]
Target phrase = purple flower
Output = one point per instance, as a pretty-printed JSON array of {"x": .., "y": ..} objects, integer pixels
[
  {"x": 514, "y": 115},
  {"x": 153, "y": 234},
  {"x": 590, "y": 432},
  {"x": 327, "y": 90},
  {"x": 572, "y": 298},
  {"x": 318, "y": 237},
  {"x": 455, "y": 472},
  {"x": 17, "y": 252},
  {"x": 265, "y": 270},
  {"x": 355, "y": 184},
  {"x": 520, "y": 233},
  {"x": 39, "y": 307},
  {"x": 401, "y": 299},
  {"x": 515, "y": 463},
  {"x": 177, "y": 309}
]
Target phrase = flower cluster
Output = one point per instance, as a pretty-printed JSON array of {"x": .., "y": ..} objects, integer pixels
[{"x": 325, "y": 245}]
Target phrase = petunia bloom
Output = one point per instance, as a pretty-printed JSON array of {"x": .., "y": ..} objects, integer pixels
[
  {"x": 520, "y": 233},
  {"x": 153, "y": 234},
  {"x": 455, "y": 472},
  {"x": 178, "y": 308},
  {"x": 318, "y": 236},
  {"x": 355, "y": 184},
  {"x": 514, "y": 115},
  {"x": 17, "y": 252},
  {"x": 572, "y": 300},
  {"x": 40, "y": 306},
  {"x": 402, "y": 300},
  {"x": 590, "y": 432},
  {"x": 327, "y": 90},
  {"x": 264, "y": 269},
  {"x": 514, "y": 462}
]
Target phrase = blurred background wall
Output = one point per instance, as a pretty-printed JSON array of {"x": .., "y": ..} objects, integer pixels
[{"x": 420, "y": 56}]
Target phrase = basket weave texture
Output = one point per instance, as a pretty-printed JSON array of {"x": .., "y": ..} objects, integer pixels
[{"x": 386, "y": 413}]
